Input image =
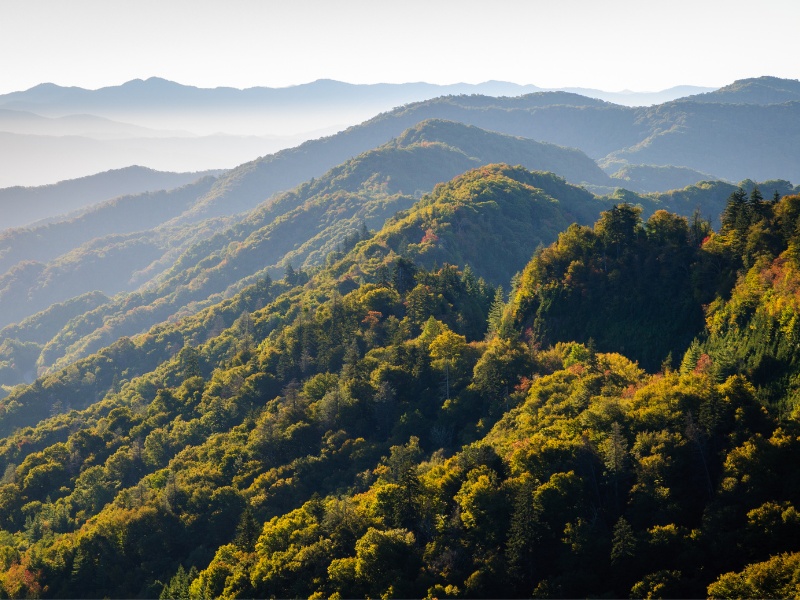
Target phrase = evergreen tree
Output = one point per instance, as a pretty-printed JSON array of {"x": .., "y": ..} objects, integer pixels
[
  {"x": 691, "y": 357},
  {"x": 736, "y": 216},
  {"x": 289, "y": 274},
  {"x": 522, "y": 540},
  {"x": 247, "y": 531},
  {"x": 178, "y": 586},
  {"x": 496, "y": 313}
]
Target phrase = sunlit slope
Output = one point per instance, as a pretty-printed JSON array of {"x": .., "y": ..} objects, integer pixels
[{"x": 302, "y": 226}]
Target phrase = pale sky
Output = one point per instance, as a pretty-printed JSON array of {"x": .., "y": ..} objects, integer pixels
[{"x": 612, "y": 45}]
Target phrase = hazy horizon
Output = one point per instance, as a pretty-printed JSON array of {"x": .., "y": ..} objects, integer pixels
[
  {"x": 626, "y": 90},
  {"x": 616, "y": 45},
  {"x": 47, "y": 136}
]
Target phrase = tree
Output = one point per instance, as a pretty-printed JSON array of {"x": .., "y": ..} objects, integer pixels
[
  {"x": 178, "y": 586},
  {"x": 496, "y": 313},
  {"x": 403, "y": 275},
  {"x": 189, "y": 360},
  {"x": 447, "y": 348},
  {"x": 387, "y": 561},
  {"x": 615, "y": 455},
  {"x": 736, "y": 216},
  {"x": 244, "y": 328},
  {"x": 522, "y": 538},
  {"x": 500, "y": 368},
  {"x": 623, "y": 542},
  {"x": 289, "y": 274},
  {"x": 691, "y": 357},
  {"x": 618, "y": 227},
  {"x": 247, "y": 530}
]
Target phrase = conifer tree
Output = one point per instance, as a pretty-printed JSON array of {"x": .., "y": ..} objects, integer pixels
[
  {"x": 247, "y": 531},
  {"x": 496, "y": 313}
]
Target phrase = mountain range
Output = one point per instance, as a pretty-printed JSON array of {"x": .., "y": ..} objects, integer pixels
[
  {"x": 169, "y": 254},
  {"x": 59, "y": 133},
  {"x": 176, "y": 247},
  {"x": 20, "y": 206},
  {"x": 530, "y": 346},
  {"x": 156, "y": 96},
  {"x": 706, "y": 138},
  {"x": 386, "y": 420}
]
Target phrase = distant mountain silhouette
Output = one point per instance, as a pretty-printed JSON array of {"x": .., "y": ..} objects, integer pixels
[
  {"x": 755, "y": 90},
  {"x": 629, "y": 98},
  {"x": 20, "y": 206},
  {"x": 649, "y": 178},
  {"x": 28, "y": 123},
  {"x": 158, "y": 93},
  {"x": 717, "y": 140}
]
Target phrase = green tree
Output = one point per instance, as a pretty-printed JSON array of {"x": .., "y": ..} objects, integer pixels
[
  {"x": 618, "y": 228},
  {"x": 447, "y": 348}
]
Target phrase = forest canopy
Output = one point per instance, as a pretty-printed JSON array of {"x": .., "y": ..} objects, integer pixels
[{"x": 619, "y": 419}]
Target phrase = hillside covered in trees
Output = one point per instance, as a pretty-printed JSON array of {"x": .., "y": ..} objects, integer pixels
[
  {"x": 512, "y": 388},
  {"x": 154, "y": 265}
]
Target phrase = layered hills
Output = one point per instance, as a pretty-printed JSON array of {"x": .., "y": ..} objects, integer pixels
[
  {"x": 322, "y": 102},
  {"x": 703, "y": 137},
  {"x": 418, "y": 358},
  {"x": 302, "y": 226},
  {"x": 613, "y": 133},
  {"x": 172, "y": 265},
  {"x": 185, "y": 262},
  {"x": 65, "y": 132},
  {"x": 393, "y": 425},
  {"x": 755, "y": 90},
  {"x": 23, "y": 206}
]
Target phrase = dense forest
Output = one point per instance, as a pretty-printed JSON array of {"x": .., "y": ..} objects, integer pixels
[
  {"x": 438, "y": 409},
  {"x": 151, "y": 265}
]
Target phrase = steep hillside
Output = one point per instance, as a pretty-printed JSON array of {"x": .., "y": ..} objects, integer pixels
[
  {"x": 390, "y": 429},
  {"x": 325, "y": 215},
  {"x": 754, "y": 329},
  {"x": 725, "y": 140},
  {"x": 624, "y": 284},
  {"x": 491, "y": 218},
  {"x": 302, "y": 227}
]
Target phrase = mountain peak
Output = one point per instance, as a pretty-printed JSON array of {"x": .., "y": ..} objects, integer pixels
[{"x": 753, "y": 90}]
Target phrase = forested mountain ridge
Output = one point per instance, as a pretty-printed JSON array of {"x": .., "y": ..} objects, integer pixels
[
  {"x": 250, "y": 184},
  {"x": 651, "y": 178},
  {"x": 703, "y": 137},
  {"x": 390, "y": 426},
  {"x": 506, "y": 209},
  {"x": 491, "y": 218},
  {"x": 711, "y": 138},
  {"x": 647, "y": 139},
  {"x": 301, "y": 226},
  {"x": 754, "y": 90}
]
